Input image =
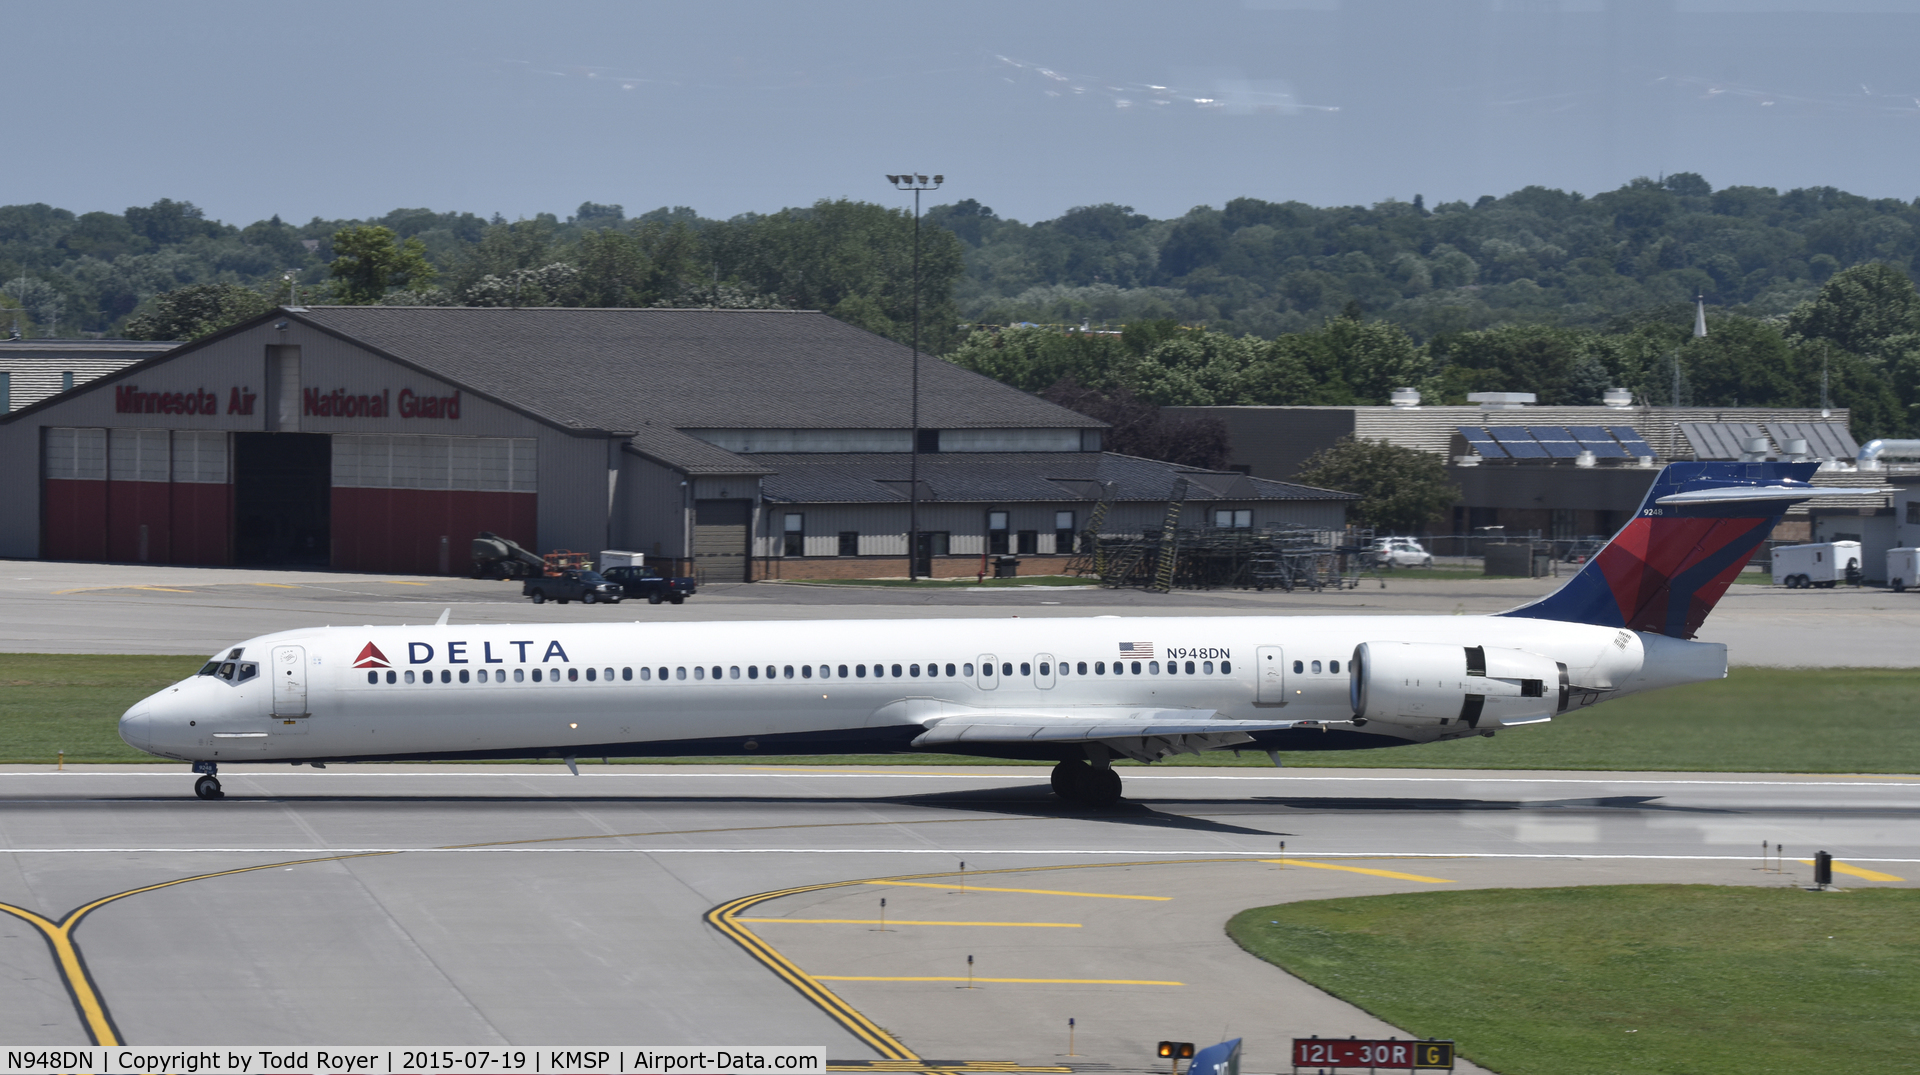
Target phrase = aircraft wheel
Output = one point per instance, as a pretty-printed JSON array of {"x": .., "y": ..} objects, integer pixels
[
  {"x": 1068, "y": 778},
  {"x": 1103, "y": 785},
  {"x": 208, "y": 787},
  {"x": 653, "y": 598}
]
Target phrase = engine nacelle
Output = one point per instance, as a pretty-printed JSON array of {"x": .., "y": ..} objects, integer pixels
[{"x": 1429, "y": 683}]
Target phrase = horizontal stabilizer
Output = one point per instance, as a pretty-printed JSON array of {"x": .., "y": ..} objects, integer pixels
[{"x": 1756, "y": 494}]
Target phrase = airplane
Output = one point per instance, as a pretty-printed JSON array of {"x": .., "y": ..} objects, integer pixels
[{"x": 1080, "y": 692}]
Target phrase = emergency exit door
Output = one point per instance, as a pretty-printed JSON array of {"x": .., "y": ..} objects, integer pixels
[
  {"x": 289, "y": 681},
  {"x": 1270, "y": 669}
]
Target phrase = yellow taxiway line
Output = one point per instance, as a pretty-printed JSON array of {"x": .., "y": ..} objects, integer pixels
[
  {"x": 1015, "y": 981},
  {"x": 906, "y": 922},
  {"x": 1856, "y": 871},
  {"x": 1397, "y": 876},
  {"x": 1028, "y": 891}
]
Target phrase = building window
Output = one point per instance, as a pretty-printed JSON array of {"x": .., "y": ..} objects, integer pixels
[
  {"x": 1233, "y": 518},
  {"x": 997, "y": 532},
  {"x": 849, "y": 542},
  {"x": 1913, "y": 511},
  {"x": 929, "y": 440},
  {"x": 1063, "y": 532},
  {"x": 1029, "y": 542},
  {"x": 793, "y": 541}
]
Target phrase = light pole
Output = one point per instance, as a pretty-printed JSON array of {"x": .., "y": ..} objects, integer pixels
[{"x": 915, "y": 183}]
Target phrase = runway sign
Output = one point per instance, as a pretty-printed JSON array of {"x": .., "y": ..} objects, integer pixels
[{"x": 1391, "y": 1054}]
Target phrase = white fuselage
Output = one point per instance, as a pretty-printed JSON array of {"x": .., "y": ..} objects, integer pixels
[{"x": 820, "y": 686}]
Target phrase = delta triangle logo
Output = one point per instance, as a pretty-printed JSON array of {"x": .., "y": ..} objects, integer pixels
[{"x": 371, "y": 657}]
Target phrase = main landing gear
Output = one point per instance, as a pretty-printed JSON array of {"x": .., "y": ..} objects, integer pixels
[
  {"x": 208, "y": 786},
  {"x": 1091, "y": 785}
]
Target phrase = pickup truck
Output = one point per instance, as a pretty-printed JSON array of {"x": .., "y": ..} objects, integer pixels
[
  {"x": 572, "y": 584},
  {"x": 646, "y": 582}
]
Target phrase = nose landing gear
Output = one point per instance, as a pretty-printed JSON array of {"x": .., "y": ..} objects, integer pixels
[
  {"x": 208, "y": 786},
  {"x": 1090, "y": 785}
]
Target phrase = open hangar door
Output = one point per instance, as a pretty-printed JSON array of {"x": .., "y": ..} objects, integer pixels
[
  {"x": 415, "y": 503},
  {"x": 280, "y": 502}
]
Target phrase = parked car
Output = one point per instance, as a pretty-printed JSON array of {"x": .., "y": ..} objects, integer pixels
[
  {"x": 640, "y": 581},
  {"x": 1399, "y": 552},
  {"x": 572, "y": 584}
]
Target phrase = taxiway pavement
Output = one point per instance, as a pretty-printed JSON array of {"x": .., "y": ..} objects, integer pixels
[{"x": 518, "y": 904}]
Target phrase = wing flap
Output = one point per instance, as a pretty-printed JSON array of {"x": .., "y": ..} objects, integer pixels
[{"x": 1070, "y": 726}]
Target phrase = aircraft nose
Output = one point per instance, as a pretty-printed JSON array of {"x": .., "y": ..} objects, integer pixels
[{"x": 136, "y": 727}]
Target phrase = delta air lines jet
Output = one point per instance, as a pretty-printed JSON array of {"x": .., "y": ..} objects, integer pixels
[{"x": 1079, "y": 692}]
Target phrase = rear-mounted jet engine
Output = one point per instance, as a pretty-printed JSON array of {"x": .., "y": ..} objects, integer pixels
[{"x": 1422, "y": 684}]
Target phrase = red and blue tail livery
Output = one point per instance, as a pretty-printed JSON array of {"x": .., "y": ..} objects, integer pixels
[{"x": 1667, "y": 568}]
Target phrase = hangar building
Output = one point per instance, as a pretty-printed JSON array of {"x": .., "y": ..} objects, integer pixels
[{"x": 737, "y": 443}]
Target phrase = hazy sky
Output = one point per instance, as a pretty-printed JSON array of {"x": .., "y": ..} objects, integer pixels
[{"x": 348, "y": 109}]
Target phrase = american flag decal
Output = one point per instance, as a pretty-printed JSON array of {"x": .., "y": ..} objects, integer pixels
[{"x": 1136, "y": 649}]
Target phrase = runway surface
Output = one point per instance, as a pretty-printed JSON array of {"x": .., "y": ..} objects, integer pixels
[
  {"x": 714, "y": 905},
  {"x": 50, "y": 607}
]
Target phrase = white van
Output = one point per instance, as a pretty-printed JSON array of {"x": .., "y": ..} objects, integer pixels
[
  {"x": 1903, "y": 569},
  {"x": 1821, "y": 565}
]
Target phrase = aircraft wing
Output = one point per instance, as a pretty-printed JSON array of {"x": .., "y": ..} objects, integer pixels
[{"x": 1078, "y": 726}]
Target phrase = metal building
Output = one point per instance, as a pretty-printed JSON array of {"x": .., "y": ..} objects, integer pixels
[{"x": 738, "y": 443}]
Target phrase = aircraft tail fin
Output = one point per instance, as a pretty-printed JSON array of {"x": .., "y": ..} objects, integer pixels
[{"x": 1667, "y": 568}]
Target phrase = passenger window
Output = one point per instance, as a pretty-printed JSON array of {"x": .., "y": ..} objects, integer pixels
[
  {"x": 409, "y": 675},
  {"x": 789, "y": 671},
  {"x": 463, "y": 676},
  {"x": 1226, "y": 667},
  {"x": 1136, "y": 668},
  {"x": 1334, "y": 667},
  {"x": 536, "y": 675},
  {"x": 914, "y": 670},
  {"x": 1081, "y": 668},
  {"x": 1026, "y": 669},
  {"x": 896, "y": 671},
  {"x": 1207, "y": 667},
  {"x": 446, "y": 676},
  {"x": 679, "y": 673},
  {"x": 860, "y": 671},
  {"x": 609, "y": 674},
  {"x": 733, "y": 671},
  {"x": 1153, "y": 667},
  {"x": 645, "y": 674},
  {"x": 843, "y": 671},
  {"x": 826, "y": 671},
  {"x": 1190, "y": 668},
  {"x": 1299, "y": 667},
  {"x": 590, "y": 675},
  {"x": 573, "y": 675},
  {"x": 806, "y": 671},
  {"x": 1006, "y": 669},
  {"x": 1173, "y": 668},
  {"x": 967, "y": 669},
  {"x": 519, "y": 675},
  {"x": 753, "y": 671},
  {"x": 626, "y": 675},
  {"x": 950, "y": 671},
  {"x": 373, "y": 677},
  {"x": 772, "y": 672},
  {"x": 391, "y": 677},
  {"x": 1045, "y": 670},
  {"x": 1316, "y": 668}
]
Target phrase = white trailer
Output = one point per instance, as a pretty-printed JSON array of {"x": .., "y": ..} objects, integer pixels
[
  {"x": 620, "y": 558},
  {"x": 1903, "y": 569},
  {"x": 1822, "y": 564}
]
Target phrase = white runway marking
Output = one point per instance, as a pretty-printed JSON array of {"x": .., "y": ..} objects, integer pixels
[
  {"x": 1864, "y": 781},
  {"x": 1187, "y": 853}
]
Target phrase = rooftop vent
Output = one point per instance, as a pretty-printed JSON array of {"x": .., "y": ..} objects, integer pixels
[
  {"x": 1405, "y": 397},
  {"x": 1617, "y": 398},
  {"x": 1501, "y": 401}
]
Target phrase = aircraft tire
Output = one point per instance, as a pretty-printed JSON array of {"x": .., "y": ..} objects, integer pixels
[
  {"x": 208, "y": 787},
  {"x": 1067, "y": 779},
  {"x": 1103, "y": 785}
]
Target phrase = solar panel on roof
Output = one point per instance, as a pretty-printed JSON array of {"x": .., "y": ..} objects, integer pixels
[
  {"x": 1556, "y": 441},
  {"x": 1518, "y": 442},
  {"x": 1598, "y": 441},
  {"x": 1478, "y": 440},
  {"x": 1709, "y": 440},
  {"x": 1631, "y": 440}
]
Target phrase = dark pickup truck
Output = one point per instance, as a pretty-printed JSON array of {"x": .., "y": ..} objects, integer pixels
[
  {"x": 650, "y": 584},
  {"x": 572, "y": 584}
]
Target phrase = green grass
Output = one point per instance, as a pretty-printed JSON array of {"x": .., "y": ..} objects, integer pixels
[
  {"x": 948, "y": 584},
  {"x": 1825, "y": 720},
  {"x": 1622, "y": 980},
  {"x": 51, "y": 702}
]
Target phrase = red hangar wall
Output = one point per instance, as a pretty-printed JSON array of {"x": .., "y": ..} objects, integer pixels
[{"x": 281, "y": 442}]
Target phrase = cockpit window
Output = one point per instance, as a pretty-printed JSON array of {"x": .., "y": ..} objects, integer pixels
[
  {"x": 235, "y": 654},
  {"x": 248, "y": 670},
  {"x": 234, "y": 671},
  {"x": 226, "y": 671},
  {"x": 209, "y": 668}
]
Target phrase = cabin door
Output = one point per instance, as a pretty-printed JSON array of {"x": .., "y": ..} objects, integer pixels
[
  {"x": 289, "y": 671},
  {"x": 1270, "y": 669}
]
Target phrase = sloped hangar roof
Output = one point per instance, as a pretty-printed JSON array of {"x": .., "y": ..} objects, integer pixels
[{"x": 1012, "y": 477}]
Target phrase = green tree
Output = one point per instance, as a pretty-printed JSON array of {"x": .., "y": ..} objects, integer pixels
[
  {"x": 367, "y": 263},
  {"x": 198, "y": 310},
  {"x": 1860, "y": 307},
  {"x": 1401, "y": 489}
]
